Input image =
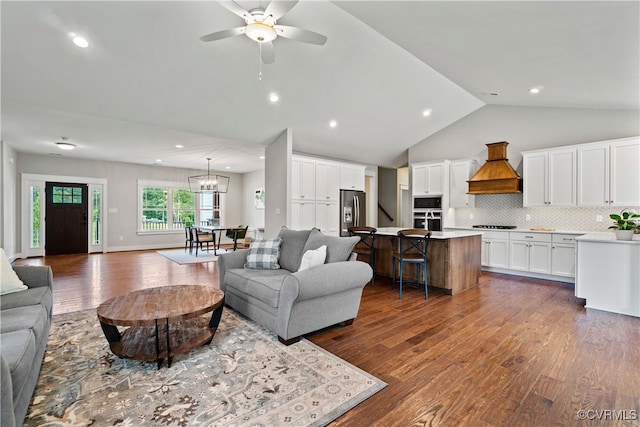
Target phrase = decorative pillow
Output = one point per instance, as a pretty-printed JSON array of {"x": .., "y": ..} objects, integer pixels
[
  {"x": 313, "y": 257},
  {"x": 338, "y": 248},
  {"x": 9, "y": 280},
  {"x": 292, "y": 246},
  {"x": 264, "y": 254}
]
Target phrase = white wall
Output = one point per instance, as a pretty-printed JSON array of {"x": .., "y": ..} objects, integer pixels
[
  {"x": 122, "y": 195},
  {"x": 8, "y": 200},
  {"x": 524, "y": 128},
  {"x": 277, "y": 177},
  {"x": 252, "y": 216}
]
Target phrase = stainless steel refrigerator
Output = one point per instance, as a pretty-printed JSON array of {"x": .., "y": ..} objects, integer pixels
[{"x": 353, "y": 210}]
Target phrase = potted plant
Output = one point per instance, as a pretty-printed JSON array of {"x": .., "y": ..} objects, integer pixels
[{"x": 624, "y": 224}]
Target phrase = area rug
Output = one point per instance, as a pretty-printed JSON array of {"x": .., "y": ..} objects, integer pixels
[
  {"x": 245, "y": 377},
  {"x": 181, "y": 256}
]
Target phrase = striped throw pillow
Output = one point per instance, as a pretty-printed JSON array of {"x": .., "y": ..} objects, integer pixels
[{"x": 263, "y": 254}]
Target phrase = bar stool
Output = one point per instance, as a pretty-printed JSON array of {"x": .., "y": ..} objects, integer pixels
[
  {"x": 411, "y": 248},
  {"x": 365, "y": 246}
]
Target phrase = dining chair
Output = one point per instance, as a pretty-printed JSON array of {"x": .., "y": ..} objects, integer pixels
[
  {"x": 411, "y": 248},
  {"x": 188, "y": 239},
  {"x": 201, "y": 238},
  {"x": 236, "y": 234},
  {"x": 366, "y": 245}
]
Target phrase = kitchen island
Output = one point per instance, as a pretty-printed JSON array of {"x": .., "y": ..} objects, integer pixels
[
  {"x": 608, "y": 273},
  {"x": 453, "y": 258}
]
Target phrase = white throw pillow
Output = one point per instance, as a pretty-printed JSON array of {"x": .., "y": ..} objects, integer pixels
[
  {"x": 9, "y": 280},
  {"x": 313, "y": 257}
]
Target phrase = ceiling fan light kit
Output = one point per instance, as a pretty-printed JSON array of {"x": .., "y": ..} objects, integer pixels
[{"x": 260, "y": 32}]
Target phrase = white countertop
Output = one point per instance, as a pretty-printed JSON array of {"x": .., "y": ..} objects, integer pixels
[
  {"x": 607, "y": 237},
  {"x": 393, "y": 231},
  {"x": 520, "y": 230}
]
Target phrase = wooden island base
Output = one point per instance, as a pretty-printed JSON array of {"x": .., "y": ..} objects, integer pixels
[{"x": 453, "y": 259}]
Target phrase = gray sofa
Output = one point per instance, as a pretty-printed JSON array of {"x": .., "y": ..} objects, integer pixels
[
  {"x": 25, "y": 320},
  {"x": 290, "y": 302}
]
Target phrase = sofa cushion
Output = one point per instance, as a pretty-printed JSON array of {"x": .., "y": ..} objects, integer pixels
[
  {"x": 9, "y": 280},
  {"x": 31, "y": 296},
  {"x": 33, "y": 317},
  {"x": 338, "y": 248},
  {"x": 264, "y": 254},
  {"x": 261, "y": 284},
  {"x": 18, "y": 349},
  {"x": 313, "y": 257},
  {"x": 292, "y": 246}
]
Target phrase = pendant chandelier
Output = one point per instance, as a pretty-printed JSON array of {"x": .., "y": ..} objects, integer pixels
[{"x": 208, "y": 183}]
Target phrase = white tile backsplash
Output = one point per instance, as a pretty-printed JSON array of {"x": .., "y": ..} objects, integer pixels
[{"x": 506, "y": 209}]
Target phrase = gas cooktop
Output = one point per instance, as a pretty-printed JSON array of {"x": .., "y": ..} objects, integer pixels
[{"x": 496, "y": 227}]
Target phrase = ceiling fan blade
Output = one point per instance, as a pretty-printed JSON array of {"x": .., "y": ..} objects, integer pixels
[
  {"x": 277, "y": 9},
  {"x": 267, "y": 53},
  {"x": 222, "y": 34},
  {"x": 300, "y": 35},
  {"x": 233, "y": 7}
]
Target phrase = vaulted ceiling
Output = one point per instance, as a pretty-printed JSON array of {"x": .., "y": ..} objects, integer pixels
[{"x": 146, "y": 83}]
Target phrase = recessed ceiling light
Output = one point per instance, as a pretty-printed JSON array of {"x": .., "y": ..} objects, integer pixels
[
  {"x": 535, "y": 90},
  {"x": 159, "y": 160},
  {"x": 273, "y": 97},
  {"x": 333, "y": 123},
  {"x": 179, "y": 146},
  {"x": 261, "y": 157},
  {"x": 79, "y": 40},
  {"x": 427, "y": 112},
  {"x": 65, "y": 145},
  {"x": 228, "y": 167}
]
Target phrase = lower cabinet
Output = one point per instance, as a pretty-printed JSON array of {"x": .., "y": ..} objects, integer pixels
[
  {"x": 328, "y": 217},
  {"x": 495, "y": 249},
  {"x": 303, "y": 215},
  {"x": 545, "y": 255},
  {"x": 530, "y": 252},
  {"x": 563, "y": 255}
]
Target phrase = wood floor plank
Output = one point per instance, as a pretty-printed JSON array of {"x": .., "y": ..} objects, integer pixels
[{"x": 513, "y": 351}]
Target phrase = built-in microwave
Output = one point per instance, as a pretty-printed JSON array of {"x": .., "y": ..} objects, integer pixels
[{"x": 427, "y": 203}]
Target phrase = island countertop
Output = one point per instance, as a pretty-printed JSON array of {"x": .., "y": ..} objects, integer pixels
[{"x": 452, "y": 234}]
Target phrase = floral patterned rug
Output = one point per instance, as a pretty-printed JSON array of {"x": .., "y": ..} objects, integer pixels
[{"x": 245, "y": 377}]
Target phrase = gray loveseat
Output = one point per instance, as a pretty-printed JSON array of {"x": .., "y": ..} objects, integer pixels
[
  {"x": 25, "y": 320},
  {"x": 290, "y": 302}
]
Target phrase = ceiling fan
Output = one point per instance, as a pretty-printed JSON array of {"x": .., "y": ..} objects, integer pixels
[{"x": 261, "y": 26}]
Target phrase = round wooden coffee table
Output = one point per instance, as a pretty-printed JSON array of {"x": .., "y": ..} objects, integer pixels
[{"x": 162, "y": 322}]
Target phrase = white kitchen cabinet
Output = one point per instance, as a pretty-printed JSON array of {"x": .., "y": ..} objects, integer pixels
[
  {"x": 352, "y": 176},
  {"x": 460, "y": 171},
  {"x": 303, "y": 178},
  {"x": 549, "y": 177},
  {"x": 327, "y": 181},
  {"x": 563, "y": 255},
  {"x": 609, "y": 172},
  {"x": 530, "y": 252},
  {"x": 429, "y": 178},
  {"x": 303, "y": 214},
  {"x": 328, "y": 217},
  {"x": 495, "y": 249}
]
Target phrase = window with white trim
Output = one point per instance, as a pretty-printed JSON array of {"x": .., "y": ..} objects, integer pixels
[{"x": 168, "y": 207}]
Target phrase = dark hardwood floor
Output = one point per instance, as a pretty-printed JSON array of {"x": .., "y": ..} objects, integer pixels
[{"x": 511, "y": 352}]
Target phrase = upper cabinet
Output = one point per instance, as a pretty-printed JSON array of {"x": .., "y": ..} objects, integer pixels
[
  {"x": 327, "y": 181},
  {"x": 460, "y": 171},
  {"x": 303, "y": 178},
  {"x": 549, "y": 177},
  {"x": 609, "y": 173},
  {"x": 429, "y": 179},
  {"x": 352, "y": 176}
]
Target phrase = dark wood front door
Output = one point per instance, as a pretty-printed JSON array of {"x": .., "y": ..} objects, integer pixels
[{"x": 67, "y": 214}]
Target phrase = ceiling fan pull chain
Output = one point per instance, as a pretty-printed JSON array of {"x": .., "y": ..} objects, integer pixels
[{"x": 260, "y": 62}]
